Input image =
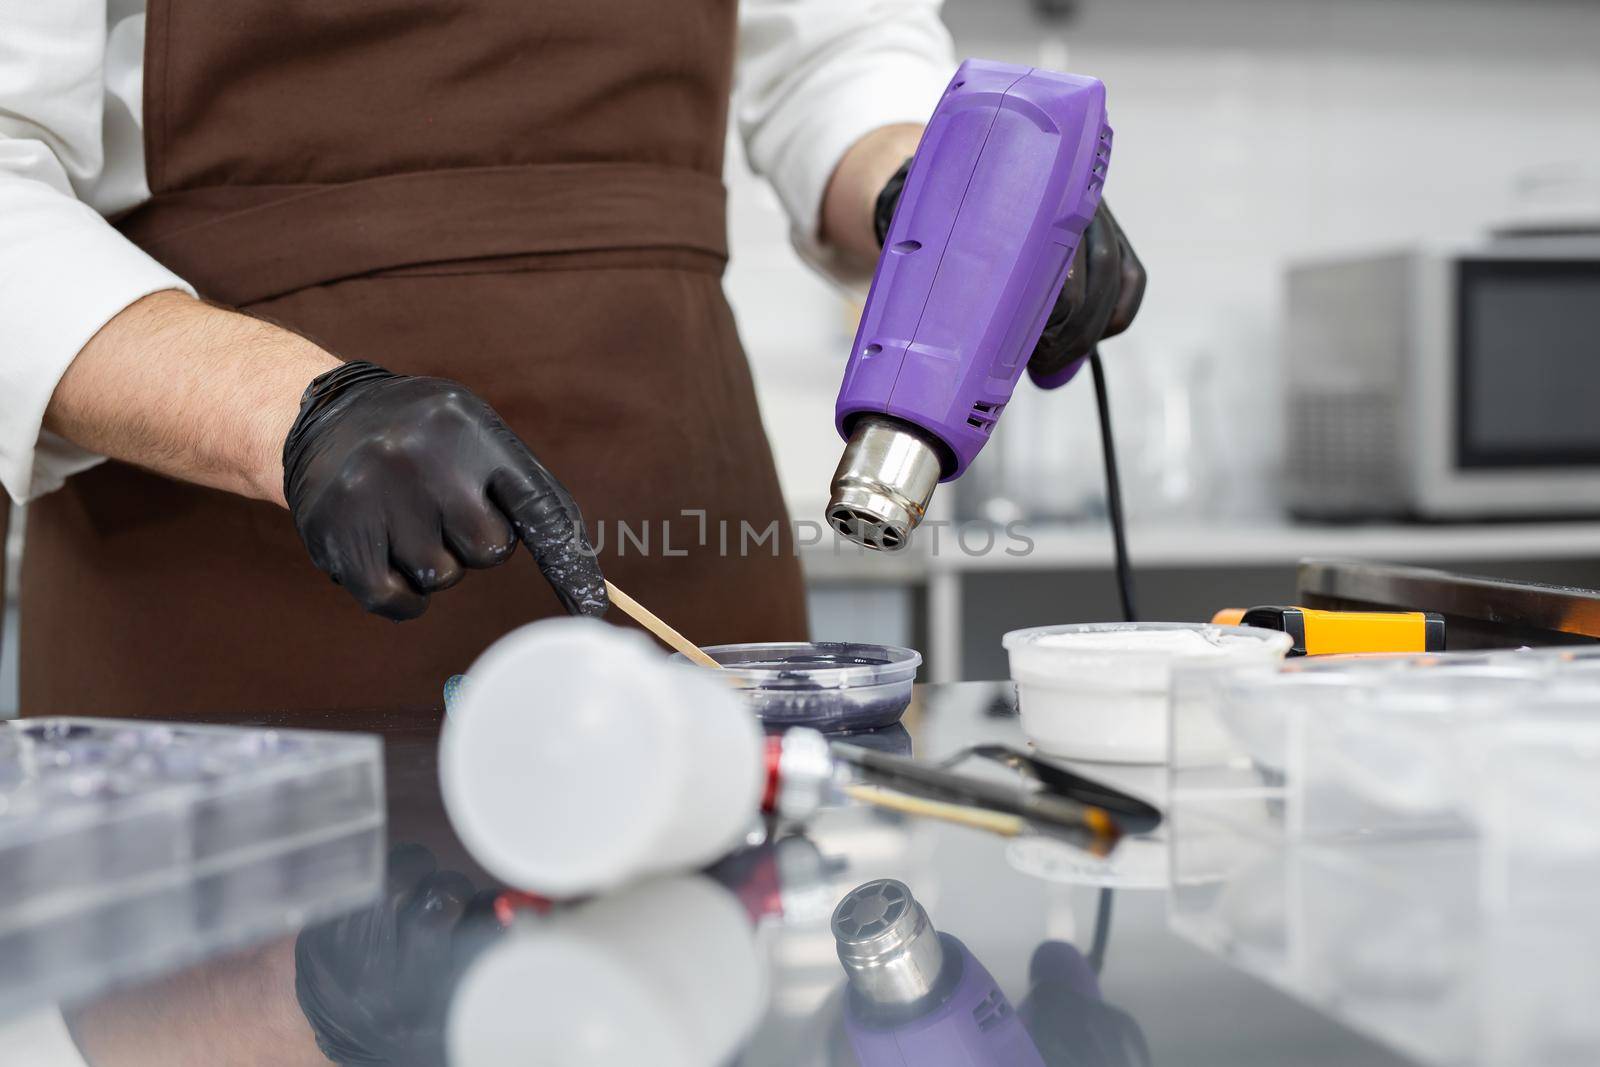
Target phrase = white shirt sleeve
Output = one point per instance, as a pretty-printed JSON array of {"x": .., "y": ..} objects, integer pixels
[
  {"x": 64, "y": 271},
  {"x": 39, "y": 1039},
  {"x": 815, "y": 76}
]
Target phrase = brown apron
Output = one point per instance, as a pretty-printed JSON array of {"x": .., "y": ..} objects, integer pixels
[{"x": 524, "y": 196}]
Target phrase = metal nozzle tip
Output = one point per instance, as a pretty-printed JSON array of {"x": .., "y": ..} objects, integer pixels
[
  {"x": 887, "y": 945},
  {"x": 874, "y": 523},
  {"x": 882, "y": 487},
  {"x": 880, "y": 913}
]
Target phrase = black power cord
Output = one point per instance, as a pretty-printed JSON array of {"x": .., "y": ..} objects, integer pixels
[
  {"x": 1119, "y": 543},
  {"x": 1119, "y": 534},
  {"x": 1102, "y": 931}
]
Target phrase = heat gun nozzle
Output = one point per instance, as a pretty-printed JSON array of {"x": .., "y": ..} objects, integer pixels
[
  {"x": 888, "y": 947},
  {"x": 884, "y": 482}
]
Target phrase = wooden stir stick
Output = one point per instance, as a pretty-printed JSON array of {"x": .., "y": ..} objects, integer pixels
[{"x": 650, "y": 621}]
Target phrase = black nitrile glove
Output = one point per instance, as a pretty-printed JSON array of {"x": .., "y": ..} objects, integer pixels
[
  {"x": 1070, "y": 1024},
  {"x": 1101, "y": 297},
  {"x": 397, "y": 484},
  {"x": 375, "y": 985}
]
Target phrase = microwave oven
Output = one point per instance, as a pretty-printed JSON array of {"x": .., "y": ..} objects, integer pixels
[{"x": 1446, "y": 383}]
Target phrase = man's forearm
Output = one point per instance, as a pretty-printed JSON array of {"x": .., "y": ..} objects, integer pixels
[
  {"x": 852, "y": 196},
  {"x": 190, "y": 391}
]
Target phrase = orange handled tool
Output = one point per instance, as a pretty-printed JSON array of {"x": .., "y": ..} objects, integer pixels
[{"x": 1329, "y": 633}]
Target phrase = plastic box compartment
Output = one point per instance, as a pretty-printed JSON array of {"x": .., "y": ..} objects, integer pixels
[
  {"x": 1353, "y": 748},
  {"x": 131, "y": 847},
  {"x": 1392, "y": 949},
  {"x": 1538, "y": 810}
]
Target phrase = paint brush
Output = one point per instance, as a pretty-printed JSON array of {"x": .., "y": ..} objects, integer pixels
[{"x": 1037, "y": 806}]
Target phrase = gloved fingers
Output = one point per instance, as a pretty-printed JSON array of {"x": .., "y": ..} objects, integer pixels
[
  {"x": 417, "y": 552},
  {"x": 438, "y": 902},
  {"x": 358, "y": 560},
  {"x": 324, "y": 553},
  {"x": 477, "y": 534},
  {"x": 410, "y": 867},
  {"x": 371, "y": 451},
  {"x": 1103, "y": 270},
  {"x": 480, "y": 925},
  {"x": 428, "y": 916},
  {"x": 383, "y": 592},
  {"x": 337, "y": 952},
  {"x": 408, "y": 864},
  {"x": 482, "y": 905},
  {"x": 1075, "y": 293},
  {"x": 539, "y": 507},
  {"x": 1050, "y": 356},
  {"x": 547, "y": 520},
  {"x": 1131, "y": 292},
  {"x": 426, "y": 925}
]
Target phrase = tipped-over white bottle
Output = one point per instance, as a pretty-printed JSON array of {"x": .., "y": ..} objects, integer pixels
[{"x": 579, "y": 758}]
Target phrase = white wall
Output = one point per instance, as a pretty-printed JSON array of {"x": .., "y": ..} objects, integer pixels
[{"x": 1249, "y": 133}]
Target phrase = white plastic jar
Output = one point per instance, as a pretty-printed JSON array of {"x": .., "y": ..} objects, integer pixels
[
  {"x": 578, "y": 758},
  {"x": 1100, "y": 691}
]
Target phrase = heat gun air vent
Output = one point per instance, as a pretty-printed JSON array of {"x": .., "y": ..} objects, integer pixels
[
  {"x": 991, "y": 1011},
  {"x": 984, "y": 415},
  {"x": 1102, "y": 160}
]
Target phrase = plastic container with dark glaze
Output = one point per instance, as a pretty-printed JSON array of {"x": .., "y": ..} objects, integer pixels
[{"x": 835, "y": 687}]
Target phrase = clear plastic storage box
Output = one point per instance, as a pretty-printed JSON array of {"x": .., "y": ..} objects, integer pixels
[
  {"x": 1501, "y": 750},
  {"x": 1400, "y": 950},
  {"x": 126, "y": 846},
  {"x": 1411, "y": 843}
]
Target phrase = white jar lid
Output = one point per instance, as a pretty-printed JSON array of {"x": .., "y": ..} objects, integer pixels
[{"x": 1132, "y": 655}]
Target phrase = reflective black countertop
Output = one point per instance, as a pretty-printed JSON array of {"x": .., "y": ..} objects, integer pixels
[{"x": 1085, "y": 966}]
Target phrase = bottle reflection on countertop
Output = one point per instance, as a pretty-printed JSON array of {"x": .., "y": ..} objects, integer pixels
[
  {"x": 918, "y": 996},
  {"x": 666, "y": 973},
  {"x": 784, "y": 879}
]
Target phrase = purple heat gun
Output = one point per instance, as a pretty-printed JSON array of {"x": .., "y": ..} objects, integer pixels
[{"x": 1003, "y": 185}]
